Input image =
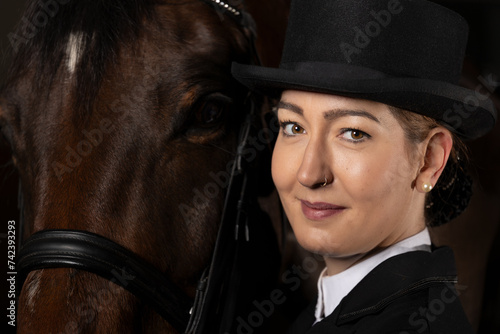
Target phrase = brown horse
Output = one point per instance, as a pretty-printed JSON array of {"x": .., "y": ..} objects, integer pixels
[{"x": 123, "y": 119}]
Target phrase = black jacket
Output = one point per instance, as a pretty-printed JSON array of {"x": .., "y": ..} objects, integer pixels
[{"x": 407, "y": 294}]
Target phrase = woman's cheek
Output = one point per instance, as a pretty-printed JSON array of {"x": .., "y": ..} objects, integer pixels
[
  {"x": 356, "y": 172},
  {"x": 279, "y": 169},
  {"x": 366, "y": 176}
]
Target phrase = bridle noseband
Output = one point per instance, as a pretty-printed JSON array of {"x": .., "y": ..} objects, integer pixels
[{"x": 93, "y": 253}]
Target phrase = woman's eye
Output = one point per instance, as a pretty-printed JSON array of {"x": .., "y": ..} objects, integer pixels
[
  {"x": 354, "y": 135},
  {"x": 292, "y": 129}
]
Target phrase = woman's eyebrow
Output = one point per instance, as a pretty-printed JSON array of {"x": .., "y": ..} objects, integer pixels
[
  {"x": 331, "y": 115},
  {"x": 289, "y": 106}
]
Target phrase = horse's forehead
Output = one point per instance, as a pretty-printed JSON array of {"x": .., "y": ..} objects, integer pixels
[
  {"x": 208, "y": 34},
  {"x": 177, "y": 58},
  {"x": 183, "y": 48},
  {"x": 175, "y": 32}
]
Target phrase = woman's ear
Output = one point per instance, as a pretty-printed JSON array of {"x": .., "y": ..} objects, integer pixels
[{"x": 437, "y": 151}]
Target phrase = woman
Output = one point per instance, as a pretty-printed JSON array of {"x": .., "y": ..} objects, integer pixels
[{"x": 369, "y": 155}]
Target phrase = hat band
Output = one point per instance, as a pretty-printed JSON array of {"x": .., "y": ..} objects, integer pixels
[{"x": 320, "y": 69}]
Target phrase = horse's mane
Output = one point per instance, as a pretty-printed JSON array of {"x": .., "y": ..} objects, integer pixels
[{"x": 103, "y": 26}]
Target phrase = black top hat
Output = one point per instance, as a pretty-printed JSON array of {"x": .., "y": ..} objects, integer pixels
[{"x": 404, "y": 53}]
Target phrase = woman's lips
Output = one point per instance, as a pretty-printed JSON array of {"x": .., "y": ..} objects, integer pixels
[{"x": 319, "y": 210}]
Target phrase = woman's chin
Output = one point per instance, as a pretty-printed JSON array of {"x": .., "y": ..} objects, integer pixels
[{"x": 318, "y": 245}]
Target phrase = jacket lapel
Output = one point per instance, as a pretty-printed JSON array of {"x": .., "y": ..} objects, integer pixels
[{"x": 395, "y": 277}]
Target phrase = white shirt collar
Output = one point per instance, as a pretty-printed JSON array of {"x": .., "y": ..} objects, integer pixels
[{"x": 331, "y": 289}]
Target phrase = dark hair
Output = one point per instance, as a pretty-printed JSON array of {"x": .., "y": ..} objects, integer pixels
[
  {"x": 452, "y": 192},
  {"x": 103, "y": 25}
]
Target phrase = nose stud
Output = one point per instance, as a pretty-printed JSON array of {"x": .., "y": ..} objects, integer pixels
[{"x": 324, "y": 183}]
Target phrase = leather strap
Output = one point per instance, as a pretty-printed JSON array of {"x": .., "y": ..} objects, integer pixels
[
  {"x": 218, "y": 288},
  {"x": 101, "y": 256}
]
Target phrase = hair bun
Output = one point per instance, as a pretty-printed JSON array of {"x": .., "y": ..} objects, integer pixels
[{"x": 451, "y": 195}]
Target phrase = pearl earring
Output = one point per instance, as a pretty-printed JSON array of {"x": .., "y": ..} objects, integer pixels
[{"x": 427, "y": 187}]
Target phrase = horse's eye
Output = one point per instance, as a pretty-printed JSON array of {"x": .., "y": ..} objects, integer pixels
[
  {"x": 210, "y": 113},
  {"x": 212, "y": 110},
  {"x": 209, "y": 118}
]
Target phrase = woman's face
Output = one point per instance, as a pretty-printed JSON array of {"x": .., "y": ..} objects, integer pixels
[{"x": 369, "y": 200}]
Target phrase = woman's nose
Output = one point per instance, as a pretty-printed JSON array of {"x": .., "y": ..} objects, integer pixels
[{"x": 314, "y": 171}]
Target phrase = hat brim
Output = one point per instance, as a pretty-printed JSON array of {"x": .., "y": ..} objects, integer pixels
[{"x": 466, "y": 112}]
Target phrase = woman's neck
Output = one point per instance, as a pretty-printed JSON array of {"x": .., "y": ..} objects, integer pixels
[{"x": 336, "y": 265}]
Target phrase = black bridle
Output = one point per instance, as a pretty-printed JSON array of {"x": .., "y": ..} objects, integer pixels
[
  {"x": 101, "y": 256},
  {"x": 96, "y": 254}
]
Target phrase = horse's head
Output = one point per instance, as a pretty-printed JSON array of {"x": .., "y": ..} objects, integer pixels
[{"x": 123, "y": 119}]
